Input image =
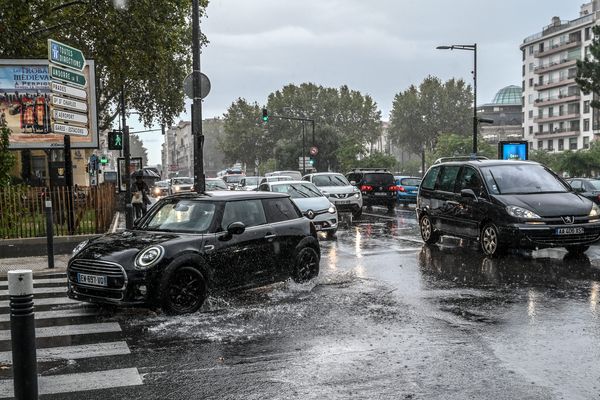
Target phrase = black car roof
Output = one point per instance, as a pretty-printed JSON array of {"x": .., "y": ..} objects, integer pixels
[
  {"x": 488, "y": 163},
  {"x": 225, "y": 195}
]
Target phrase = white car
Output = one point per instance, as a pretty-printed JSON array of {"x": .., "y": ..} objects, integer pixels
[
  {"x": 181, "y": 184},
  {"x": 248, "y": 183},
  {"x": 340, "y": 192},
  {"x": 294, "y": 175},
  {"x": 311, "y": 202}
]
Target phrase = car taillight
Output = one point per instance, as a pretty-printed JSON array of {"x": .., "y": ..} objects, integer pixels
[
  {"x": 397, "y": 188},
  {"x": 366, "y": 188}
]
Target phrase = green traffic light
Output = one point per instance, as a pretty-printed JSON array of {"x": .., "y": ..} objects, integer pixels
[{"x": 265, "y": 115}]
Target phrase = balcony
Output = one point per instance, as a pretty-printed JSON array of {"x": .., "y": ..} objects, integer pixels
[
  {"x": 564, "y": 63},
  {"x": 555, "y": 83},
  {"x": 556, "y": 100},
  {"x": 553, "y": 118},
  {"x": 558, "y": 133},
  {"x": 557, "y": 48}
]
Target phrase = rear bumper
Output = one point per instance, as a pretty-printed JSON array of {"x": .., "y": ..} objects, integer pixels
[
  {"x": 407, "y": 198},
  {"x": 373, "y": 199}
]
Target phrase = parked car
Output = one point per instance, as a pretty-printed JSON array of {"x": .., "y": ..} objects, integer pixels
[
  {"x": 161, "y": 188},
  {"x": 505, "y": 204},
  {"x": 294, "y": 175},
  {"x": 408, "y": 187},
  {"x": 249, "y": 183},
  {"x": 190, "y": 245},
  {"x": 377, "y": 186},
  {"x": 215, "y": 184},
  {"x": 311, "y": 202},
  {"x": 338, "y": 190},
  {"x": 181, "y": 184},
  {"x": 587, "y": 187}
]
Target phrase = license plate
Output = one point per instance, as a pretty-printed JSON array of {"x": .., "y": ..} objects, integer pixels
[
  {"x": 342, "y": 202},
  {"x": 95, "y": 280},
  {"x": 570, "y": 231},
  {"x": 381, "y": 194}
]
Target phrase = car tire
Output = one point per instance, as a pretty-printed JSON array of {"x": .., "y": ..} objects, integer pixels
[
  {"x": 428, "y": 234},
  {"x": 577, "y": 249},
  {"x": 182, "y": 290},
  {"x": 306, "y": 265},
  {"x": 391, "y": 207},
  {"x": 357, "y": 213},
  {"x": 489, "y": 240}
]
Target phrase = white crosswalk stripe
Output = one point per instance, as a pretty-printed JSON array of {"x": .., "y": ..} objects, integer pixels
[{"x": 50, "y": 305}]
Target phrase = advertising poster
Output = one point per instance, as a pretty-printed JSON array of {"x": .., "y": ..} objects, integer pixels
[
  {"x": 516, "y": 150},
  {"x": 25, "y": 99},
  {"x": 135, "y": 164}
]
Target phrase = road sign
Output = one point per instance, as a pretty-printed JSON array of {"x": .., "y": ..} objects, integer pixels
[
  {"x": 62, "y": 129},
  {"x": 188, "y": 86},
  {"x": 314, "y": 151},
  {"x": 67, "y": 56},
  {"x": 64, "y": 89},
  {"x": 66, "y": 75},
  {"x": 68, "y": 103},
  {"x": 69, "y": 116}
]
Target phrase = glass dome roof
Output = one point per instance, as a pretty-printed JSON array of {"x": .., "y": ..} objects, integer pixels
[{"x": 510, "y": 95}]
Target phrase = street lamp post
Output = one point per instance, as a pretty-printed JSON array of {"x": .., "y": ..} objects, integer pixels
[
  {"x": 473, "y": 48},
  {"x": 199, "y": 181}
]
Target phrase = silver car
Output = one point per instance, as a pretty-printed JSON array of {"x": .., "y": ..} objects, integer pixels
[{"x": 338, "y": 190}]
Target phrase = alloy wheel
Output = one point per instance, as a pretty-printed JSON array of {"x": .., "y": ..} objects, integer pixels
[
  {"x": 186, "y": 290},
  {"x": 489, "y": 240}
]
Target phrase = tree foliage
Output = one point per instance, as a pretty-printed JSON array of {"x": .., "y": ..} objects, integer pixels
[
  {"x": 588, "y": 69},
  {"x": 452, "y": 145},
  {"x": 144, "y": 47},
  {"x": 137, "y": 149},
  {"x": 7, "y": 158}
]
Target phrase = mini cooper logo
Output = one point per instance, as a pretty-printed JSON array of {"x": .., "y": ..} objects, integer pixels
[
  {"x": 568, "y": 220},
  {"x": 310, "y": 214}
]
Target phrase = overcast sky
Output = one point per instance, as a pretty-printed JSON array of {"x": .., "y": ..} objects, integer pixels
[{"x": 379, "y": 47}]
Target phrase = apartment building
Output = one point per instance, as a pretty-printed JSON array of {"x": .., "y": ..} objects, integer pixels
[{"x": 556, "y": 115}]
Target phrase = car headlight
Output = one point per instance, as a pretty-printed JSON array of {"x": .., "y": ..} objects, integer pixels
[
  {"x": 79, "y": 247},
  {"x": 149, "y": 256},
  {"x": 331, "y": 209},
  {"x": 595, "y": 211},
  {"x": 520, "y": 212},
  {"x": 355, "y": 189},
  {"x": 357, "y": 195}
]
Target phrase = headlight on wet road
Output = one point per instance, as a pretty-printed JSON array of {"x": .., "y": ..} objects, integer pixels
[
  {"x": 331, "y": 209},
  {"x": 520, "y": 212},
  {"x": 149, "y": 256},
  {"x": 595, "y": 211}
]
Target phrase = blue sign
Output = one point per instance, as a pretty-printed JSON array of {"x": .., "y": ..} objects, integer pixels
[{"x": 517, "y": 150}]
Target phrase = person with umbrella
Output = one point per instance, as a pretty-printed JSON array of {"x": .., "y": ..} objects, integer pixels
[{"x": 139, "y": 195}]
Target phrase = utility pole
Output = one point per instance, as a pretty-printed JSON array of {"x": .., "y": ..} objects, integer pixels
[
  {"x": 199, "y": 181},
  {"x": 127, "y": 155}
]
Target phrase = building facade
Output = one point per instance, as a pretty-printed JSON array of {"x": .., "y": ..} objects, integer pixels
[
  {"x": 507, "y": 113},
  {"x": 556, "y": 115}
]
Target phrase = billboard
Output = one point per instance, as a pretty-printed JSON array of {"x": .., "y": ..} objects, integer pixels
[
  {"x": 25, "y": 100},
  {"x": 513, "y": 150}
]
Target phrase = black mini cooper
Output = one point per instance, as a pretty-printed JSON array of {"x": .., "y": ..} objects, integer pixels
[{"x": 191, "y": 244}]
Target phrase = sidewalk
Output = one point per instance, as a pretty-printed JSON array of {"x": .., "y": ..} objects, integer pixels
[{"x": 36, "y": 264}]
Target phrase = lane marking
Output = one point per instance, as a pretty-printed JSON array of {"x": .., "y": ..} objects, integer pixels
[
  {"x": 68, "y": 383},
  {"x": 74, "y": 352},
  {"x": 57, "y": 314},
  {"x": 69, "y": 330},
  {"x": 48, "y": 301}
]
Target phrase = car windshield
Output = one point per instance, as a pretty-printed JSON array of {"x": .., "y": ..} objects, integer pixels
[
  {"x": 297, "y": 190},
  {"x": 330, "y": 180},
  {"x": 595, "y": 184},
  {"x": 410, "y": 181},
  {"x": 379, "y": 179},
  {"x": 190, "y": 216},
  {"x": 233, "y": 178},
  {"x": 183, "y": 181},
  {"x": 161, "y": 184},
  {"x": 252, "y": 181},
  {"x": 521, "y": 179},
  {"x": 216, "y": 184}
]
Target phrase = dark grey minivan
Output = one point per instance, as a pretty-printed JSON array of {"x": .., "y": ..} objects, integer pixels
[{"x": 505, "y": 204}]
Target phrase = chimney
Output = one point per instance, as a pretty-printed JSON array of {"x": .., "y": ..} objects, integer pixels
[{"x": 556, "y": 21}]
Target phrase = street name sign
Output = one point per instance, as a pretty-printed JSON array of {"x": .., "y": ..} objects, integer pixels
[
  {"x": 62, "y": 129},
  {"x": 67, "y": 56},
  {"x": 69, "y": 103},
  {"x": 70, "y": 116},
  {"x": 67, "y": 90},
  {"x": 67, "y": 76}
]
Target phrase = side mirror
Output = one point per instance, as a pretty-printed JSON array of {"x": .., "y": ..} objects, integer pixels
[
  {"x": 469, "y": 193},
  {"x": 236, "y": 228}
]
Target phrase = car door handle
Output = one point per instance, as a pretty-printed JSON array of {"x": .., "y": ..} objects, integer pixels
[
  {"x": 270, "y": 236},
  {"x": 209, "y": 247}
]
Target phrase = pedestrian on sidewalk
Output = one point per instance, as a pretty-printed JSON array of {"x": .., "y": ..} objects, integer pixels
[{"x": 141, "y": 187}]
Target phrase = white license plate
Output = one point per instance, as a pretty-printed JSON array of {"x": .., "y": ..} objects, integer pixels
[
  {"x": 95, "y": 280},
  {"x": 342, "y": 202},
  {"x": 381, "y": 194},
  {"x": 570, "y": 231}
]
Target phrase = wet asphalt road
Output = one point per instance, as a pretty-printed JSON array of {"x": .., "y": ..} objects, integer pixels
[{"x": 387, "y": 318}]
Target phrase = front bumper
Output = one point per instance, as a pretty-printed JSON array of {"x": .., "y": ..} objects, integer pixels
[
  {"x": 543, "y": 236},
  {"x": 349, "y": 203},
  {"x": 326, "y": 222}
]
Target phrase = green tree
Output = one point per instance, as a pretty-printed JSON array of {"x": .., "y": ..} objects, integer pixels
[
  {"x": 137, "y": 149},
  {"x": 145, "y": 48},
  {"x": 451, "y": 145},
  {"x": 588, "y": 70},
  {"x": 7, "y": 158}
]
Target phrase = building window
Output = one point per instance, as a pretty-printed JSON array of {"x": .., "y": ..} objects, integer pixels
[
  {"x": 586, "y": 125},
  {"x": 586, "y": 142},
  {"x": 551, "y": 111},
  {"x": 550, "y": 145},
  {"x": 523, "y": 85},
  {"x": 540, "y": 129},
  {"x": 540, "y": 144},
  {"x": 523, "y": 54},
  {"x": 587, "y": 33},
  {"x": 561, "y": 144},
  {"x": 531, "y": 67},
  {"x": 523, "y": 69},
  {"x": 530, "y": 114},
  {"x": 586, "y": 106},
  {"x": 572, "y": 143},
  {"x": 530, "y": 82},
  {"x": 531, "y": 130},
  {"x": 530, "y": 99},
  {"x": 531, "y": 49}
]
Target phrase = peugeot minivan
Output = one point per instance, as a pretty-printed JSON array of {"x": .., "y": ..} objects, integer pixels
[{"x": 505, "y": 204}]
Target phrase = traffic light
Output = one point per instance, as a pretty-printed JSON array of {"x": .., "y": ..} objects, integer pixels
[
  {"x": 265, "y": 116},
  {"x": 115, "y": 140},
  {"x": 103, "y": 160}
]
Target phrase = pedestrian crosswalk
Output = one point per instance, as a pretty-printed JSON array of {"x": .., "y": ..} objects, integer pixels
[{"x": 75, "y": 344}]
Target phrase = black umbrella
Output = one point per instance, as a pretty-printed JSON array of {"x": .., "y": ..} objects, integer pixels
[{"x": 145, "y": 173}]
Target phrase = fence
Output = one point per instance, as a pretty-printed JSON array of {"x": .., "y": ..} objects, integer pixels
[{"x": 22, "y": 212}]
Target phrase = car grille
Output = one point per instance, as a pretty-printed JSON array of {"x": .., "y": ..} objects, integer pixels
[
  {"x": 115, "y": 274},
  {"x": 565, "y": 240},
  {"x": 341, "y": 195}
]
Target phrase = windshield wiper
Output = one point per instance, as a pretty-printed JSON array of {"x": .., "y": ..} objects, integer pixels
[{"x": 299, "y": 192}]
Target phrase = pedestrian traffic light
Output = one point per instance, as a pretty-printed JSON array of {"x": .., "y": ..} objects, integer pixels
[
  {"x": 115, "y": 140},
  {"x": 265, "y": 116}
]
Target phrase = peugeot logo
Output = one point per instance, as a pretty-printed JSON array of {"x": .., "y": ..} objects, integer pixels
[
  {"x": 568, "y": 220},
  {"x": 310, "y": 214}
]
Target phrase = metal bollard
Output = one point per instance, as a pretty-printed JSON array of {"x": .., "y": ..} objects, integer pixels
[
  {"x": 49, "y": 234},
  {"x": 22, "y": 332}
]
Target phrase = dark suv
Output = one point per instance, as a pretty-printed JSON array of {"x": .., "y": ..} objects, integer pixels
[
  {"x": 503, "y": 203},
  {"x": 377, "y": 185}
]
